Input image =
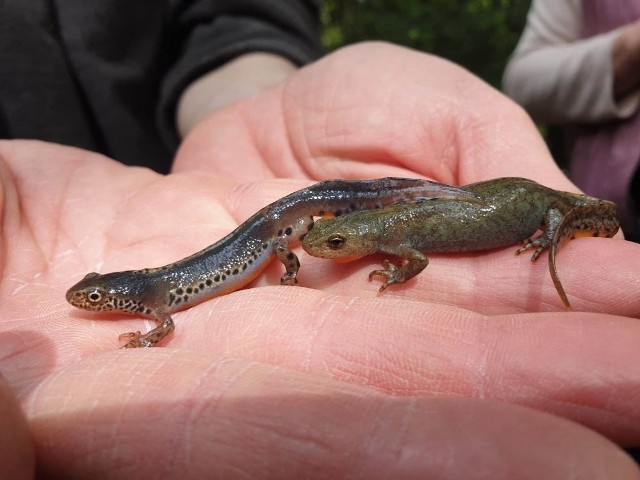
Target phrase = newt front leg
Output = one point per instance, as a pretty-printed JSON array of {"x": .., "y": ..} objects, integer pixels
[
  {"x": 152, "y": 337},
  {"x": 396, "y": 274}
]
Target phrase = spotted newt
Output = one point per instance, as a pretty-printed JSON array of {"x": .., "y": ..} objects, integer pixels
[
  {"x": 238, "y": 258},
  {"x": 510, "y": 210}
]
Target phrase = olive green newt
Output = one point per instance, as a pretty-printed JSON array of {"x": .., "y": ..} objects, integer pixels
[
  {"x": 510, "y": 210},
  {"x": 235, "y": 260}
]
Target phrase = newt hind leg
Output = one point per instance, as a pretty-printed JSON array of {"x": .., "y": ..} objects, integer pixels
[
  {"x": 552, "y": 220},
  {"x": 283, "y": 252},
  {"x": 549, "y": 238}
]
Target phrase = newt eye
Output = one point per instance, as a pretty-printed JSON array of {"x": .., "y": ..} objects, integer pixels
[
  {"x": 95, "y": 296},
  {"x": 336, "y": 242}
]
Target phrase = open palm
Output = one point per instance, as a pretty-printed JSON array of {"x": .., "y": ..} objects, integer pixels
[{"x": 329, "y": 378}]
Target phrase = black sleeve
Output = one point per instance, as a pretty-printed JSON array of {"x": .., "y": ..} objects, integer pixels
[{"x": 208, "y": 33}]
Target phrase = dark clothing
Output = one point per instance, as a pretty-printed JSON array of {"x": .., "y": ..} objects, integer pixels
[{"x": 105, "y": 75}]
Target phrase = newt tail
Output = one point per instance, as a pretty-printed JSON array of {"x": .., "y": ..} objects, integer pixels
[{"x": 597, "y": 220}]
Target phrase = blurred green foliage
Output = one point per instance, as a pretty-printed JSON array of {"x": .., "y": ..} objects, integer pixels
[{"x": 478, "y": 34}]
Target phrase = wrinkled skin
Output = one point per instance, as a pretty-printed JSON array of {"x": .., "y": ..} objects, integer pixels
[{"x": 474, "y": 366}]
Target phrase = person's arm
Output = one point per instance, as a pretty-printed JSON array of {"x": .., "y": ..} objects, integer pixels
[
  {"x": 229, "y": 50},
  {"x": 559, "y": 77},
  {"x": 238, "y": 79}
]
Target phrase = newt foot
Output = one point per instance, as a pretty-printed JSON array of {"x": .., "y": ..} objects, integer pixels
[
  {"x": 540, "y": 243},
  {"x": 134, "y": 340},
  {"x": 393, "y": 273}
]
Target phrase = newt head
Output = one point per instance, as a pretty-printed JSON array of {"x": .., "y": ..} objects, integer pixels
[
  {"x": 343, "y": 238},
  {"x": 90, "y": 293},
  {"x": 119, "y": 291}
]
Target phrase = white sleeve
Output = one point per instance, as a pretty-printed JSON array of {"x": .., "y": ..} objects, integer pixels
[{"x": 559, "y": 77}]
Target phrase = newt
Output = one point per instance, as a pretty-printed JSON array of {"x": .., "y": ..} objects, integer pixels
[
  {"x": 235, "y": 260},
  {"x": 510, "y": 210}
]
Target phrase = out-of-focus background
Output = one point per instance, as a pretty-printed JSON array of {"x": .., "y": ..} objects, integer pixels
[{"x": 477, "y": 34}]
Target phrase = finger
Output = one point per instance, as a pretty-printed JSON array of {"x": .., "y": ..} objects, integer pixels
[
  {"x": 231, "y": 419},
  {"x": 498, "y": 281},
  {"x": 373, "y": 110},
  {"x": 17, "y": 459},
  {"x": 412, "y": 111},
  {"x": 582, "y": 366}
]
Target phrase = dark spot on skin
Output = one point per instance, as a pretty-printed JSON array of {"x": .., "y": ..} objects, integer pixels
[
  {"x": 179, "y": 291},
  {"x": 290, "y": 256},
  {"x": 201, "y": 286},
  {"x": 265, "y": 246},
  {"x": 189, "y": 290},
  {"x": 250, "y": 261},
  {"x": 209, "y": 282},
  {"x": 224, "y": 277},
  {"x": 148, "y": 311},
  {"x": 216, "y": 278},
  {"x": 228, "y": 272},
  {"x": 288, "y": 231},
  {"x": 195, "y": 290},
  {"x": 178, "y": 301},
  {"x": 244, "y": 267},
  {"x": 185, "y": 298},
  {"x": 280, "y": 233},
  {"x": 235, "y": 271},
  {"x": 172, "y": 298}
]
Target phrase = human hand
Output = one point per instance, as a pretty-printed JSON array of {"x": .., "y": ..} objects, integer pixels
[{"x": 335, "y": 382}]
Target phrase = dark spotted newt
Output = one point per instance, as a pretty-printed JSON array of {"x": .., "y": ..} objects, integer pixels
[{"x": 238, "y": 258}]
